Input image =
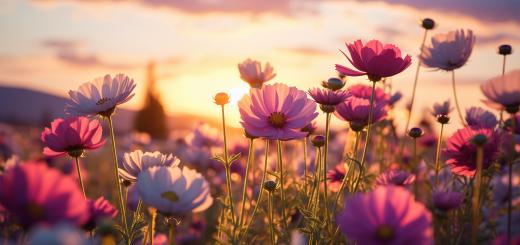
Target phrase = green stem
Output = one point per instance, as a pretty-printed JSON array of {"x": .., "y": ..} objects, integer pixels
[
  {"x": 367, "y": 138},
  {"x": 78, "y": 168},
  {"x": 316, "y": 186},
  {"x": 344, "y": 181},
  {"x": 171, "y": 233},
  {"x": 259, "y": 199},
  {"x": 324, "y": 166},
  {"x": 456, "y": 98},
  {"x": 151, "y": 226},
  {"x": 438, "y": 155},
  {"x": 244, "y": 189},
  {"x": 227, "y": 166},
  {"x": 476, "y": 195},
  {"x": 305, "y": 164},
  {"x": 282, "y": 185},
  {"x": 270, "y": 216},
  {"x": 504, "y": 65},
  {"x": 415, "y": 162},
  {"x": 116, "y": 176}
]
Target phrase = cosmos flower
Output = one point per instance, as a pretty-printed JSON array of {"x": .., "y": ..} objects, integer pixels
[
  {"x": 137, "y": 161},
  {"x": 101, "y": 96},
  {"x": 448, "y": 51},
  {"x": 442, "y": 109},
  {"x": 72, "y": 136},
  {"x": 356, "y": 110},
  {"x": 395, "y": 177},
  {"x": 309, "y": 128},
  {"x": 364, "y": 92},
  {"x": 252, "y": 73},
  {"x": 503, "y": 91},
  {"x": 480, "y": 118},
  {"x": 173, "y": 190},
  {"x": 99, "y": 209},
  {"x": 34, "y": 193},
  {"x": 335, "y": 177},
  {"x": 276, "y": 112},
  {"x": 461, "y": 152},
  {"x": 327, "y": 96},
  {"x": 447, "y": 200},
  {"x": 374, "y": 60},
  {"x": 390, "y": 215},
  {"x": 204, "y": 136}
]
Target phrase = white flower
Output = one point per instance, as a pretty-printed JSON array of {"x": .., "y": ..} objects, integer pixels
[
  {"x": 252, "y": 73},
  {"x": 174, "y": 191},
  {"x": 100, "y": 96},
  {"x": 135, "y": 162},
  {"x": 448, "y": 51}
]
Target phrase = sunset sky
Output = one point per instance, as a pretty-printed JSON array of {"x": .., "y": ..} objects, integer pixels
[{"x": 54, "y": 46}]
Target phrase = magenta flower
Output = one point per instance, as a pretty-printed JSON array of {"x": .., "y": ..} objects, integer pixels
[
  {"x": 276, "y": 112},
  {"x": 328, "y": 97},
  {"x": 448, "y": 51},
  {"x": 335, "y": 176},
  {"x": 447, "y": 200},
  {"x": 252, "y": 73},
  {"x": 34, "y": 193},
  {"x": 364, "y": 91},
  {"x": 461, "y": 152},
  {"x": 503, "y": 91},
  {"x": 395, "y": 177},
  {"x": 72, "y": 136},
  {"x": 479, "y": 118},
  {"x": 387, "y": 215},
  {"x": 309, "y": 128},
  {"x": 99, "y": 209},
  {"x": 356, "y": 110},
  {"x": 374, "y": 60}
]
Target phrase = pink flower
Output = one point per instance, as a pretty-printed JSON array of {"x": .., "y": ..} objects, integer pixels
[
  {"x": 374, "y": 60},
  {"x": 99, "y": 209},
  {"x": 480, "y": 118},
  {"x": 252, "y": 73},
  {"x": 72, "y": 136},
  {"x": 395, "y": 177},
  {"x": 335, "y": 176},
  {"x": 356, "y": 110},
  {"x": 448, "y": 51},
  {"x": 34, "y": 193},
  {"x": 309, "y": 128},
  {"x": 503, "y": 91},
  {"x": 387, "y": 215},
  {"x": 461, "y": 152},
  {"x": 364, "y": 92},
  {"x": 276, "y": 112},
  {"x": 327, "y": 96}
]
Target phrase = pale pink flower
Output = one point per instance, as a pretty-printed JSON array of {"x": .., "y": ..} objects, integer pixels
[
  {"x": 252, "y": 73},
  {"x": 448, "y": 51},
  {"x": 503, "y": 91}
]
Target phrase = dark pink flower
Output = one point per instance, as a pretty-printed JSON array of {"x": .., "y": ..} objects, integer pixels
[
  {"x": 72, "y": 136},
  {"x": 276, "y": 112},
  {"x": 324, "y": 96},
  {"x": 364, "y": 91},
  {"x": 503, "y": 91},
  {"x": 356, "y": 110},
  {"x": 395, "y": 177},
  {"x": 387, "y": 215},
  {"x": 34, "y": 193},
  {"x": 99, "y": 209},
  {"x": 462, "y": 153},
  {"x": 374, "y": 60},
  {"x": 335, "y": 176},
  {"x": 447, "y": 200}
]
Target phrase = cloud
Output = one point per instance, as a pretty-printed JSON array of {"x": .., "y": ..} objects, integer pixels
[
  {"x": 488, "y": 10},
  {"x": 307, "y": 51},
  {"x": 498, "y": 37}
]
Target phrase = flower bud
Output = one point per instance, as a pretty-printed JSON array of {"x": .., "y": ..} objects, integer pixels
[
  {"x": 318, "y": 140},
  {"x": 270, "y": 185},
  {"x": 443, "y": 119},
  {"x": 428, "y": 23},
  {"x": 512, "y": 109},
  {"x": 415, "y": 132},
  {"x": 221, "y": 98},
  {"x": 327, "y": 108},
  {"x": 505, "y": 49},
  {"x": 479, "y": 140},
  {"x": 334, "y": 84}
]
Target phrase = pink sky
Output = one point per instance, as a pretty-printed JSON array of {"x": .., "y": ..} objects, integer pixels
[{"x": 54, "y": 46}]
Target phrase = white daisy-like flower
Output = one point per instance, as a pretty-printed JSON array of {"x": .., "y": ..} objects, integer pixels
[
  {"x": 174, "y": 191},
  {"x": 252, "y": 73},
  {"x": 101, "y": 96},
  {"x": 137, "y": 161}
]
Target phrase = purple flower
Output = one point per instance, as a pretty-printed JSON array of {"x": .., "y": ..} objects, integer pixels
[
  {"x": 328, "y": 97},
  {"x": 356, "y": 110},
  {"x": 387, "y": 215},
  {"x": 395, "y": 98},
  {"x": 205, "y": 136},
  {"x": 502, "y": 91},
  {"x": 395, "y": 177},
  {"x": 34, "y": 193},
  {"x": 99, "y": 209},
  {"x": 447, "y": 200},
  {"x": 448, "y": 51},
  {"x": 480, "y": 118},
  {"x": 442, "y": 109},
  {"x": 462, "y": 153},
  {"x": 276, "y": 112},
  {"x": 309, "y": 128}
]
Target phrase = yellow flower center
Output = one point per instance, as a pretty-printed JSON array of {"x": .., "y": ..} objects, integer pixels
[
  {"x": 277, "y": 119},
  {"x": 385, "y": 233}
]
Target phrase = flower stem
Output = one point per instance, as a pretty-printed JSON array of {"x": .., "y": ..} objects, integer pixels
[
  {"x": 367, "y": 138},
  {"x": 438, "y": 155},
  {"x": 305, "y": 164},
  {"x": 344, "y": 181},
  {"x": 270, "y": 216},
  {"x": 78, "y": 168},
  {"x": 151, "y": 225},
  {"x": 476, "y": 195},
  {"x": 171, "y": 233},
  {"x": 227, "y": 166},
  {"x": 510, "y": 177},
  {"x": 244, "y": 189},
  {"x": 116, "y": 173},
  {"x": 504, "y": 65},
  {"x": 282, "y": 185},
  {"x": 456, "y": 98},
  {"x": 259, "y": 198},
  {"x": 324, "y": 166}
]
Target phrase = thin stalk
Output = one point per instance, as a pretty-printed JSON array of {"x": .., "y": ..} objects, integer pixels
[
  {"x": 456, "y": 98},
  {"x": 367, "y": 138},
  {"x": 151, "y": 226},
  {"x": 476, "y": 195},
  {"x": 414, "y": 167},
  {"x": 282, "y": 185},
  {"x": 228, "y": 172},
  {"x": 305, "y": 164},
  {"x": 122, "y": 206},
  {"x": 259, "y": 199},
  {"x": 244, "y": 189},
  {"x": 438, "y": 155},
  {"x": 78, "y": 168},
  {"x": 504, "y": 65},
  {"x": 510, "y": 177},
  {"x": 315, "y": 187},
  {"x": 270, "y": 216},
  {"x": 171, "y": 233},
  {"x": 344, "y": 181},
  {"x": 324, "y": 166}
]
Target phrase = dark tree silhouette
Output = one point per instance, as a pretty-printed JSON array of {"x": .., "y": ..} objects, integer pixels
[{"x": 151, "y": 118}]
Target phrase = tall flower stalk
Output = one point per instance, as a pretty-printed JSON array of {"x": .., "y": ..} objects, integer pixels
[
  {"x": 438, "y": 155},
  {"x": 347, "y": 175},
  {"x": 510, "y": 174},
  {"x": 227, "y": 168},
  {"x": 324, "y": 165},
  {"x": 246, "y": 177},
  {"x": 479, "y": 140},
  {"x": 282, "y": 185},
  {"x": 78, "y": 168},
  {"x": 456, "y": 98}
]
